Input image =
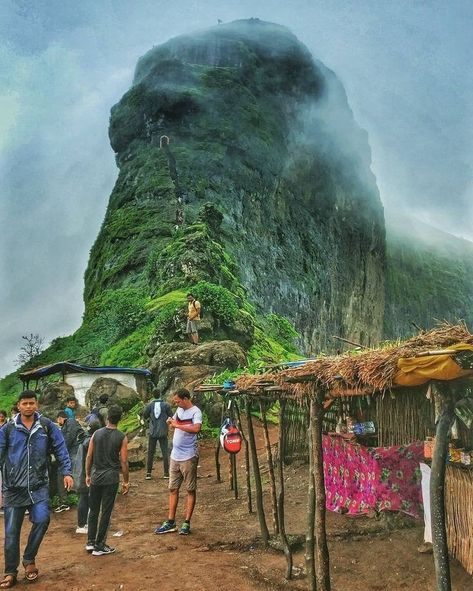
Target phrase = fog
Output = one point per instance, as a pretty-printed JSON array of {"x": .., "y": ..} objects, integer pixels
[{"x": 405, "y": 67}]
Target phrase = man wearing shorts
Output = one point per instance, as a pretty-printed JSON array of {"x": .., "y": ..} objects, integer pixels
[
  {"x": 186, "y": 422},
  {"x": 193, "y": 318}
]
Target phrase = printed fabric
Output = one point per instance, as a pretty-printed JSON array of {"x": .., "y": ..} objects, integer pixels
[{"x": 360, "y": 479}]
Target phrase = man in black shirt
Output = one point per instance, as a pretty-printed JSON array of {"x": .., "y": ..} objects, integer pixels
[
  {"x": 107, "y": 453},
  {"x": 158, "y": 412},
  {"x": 73, "y": 434}
]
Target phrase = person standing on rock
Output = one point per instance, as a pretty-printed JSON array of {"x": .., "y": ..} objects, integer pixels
[
  {"x": 193, "y": 318},
  {"x": 107, "y": 454},
  {"x": 186, "y": 422},
  {"x": 157, "y": 411},
  {"x": 25, "y": 444}
]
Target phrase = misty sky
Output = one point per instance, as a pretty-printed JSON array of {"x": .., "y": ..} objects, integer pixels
[{"x": 405, "y": 65}]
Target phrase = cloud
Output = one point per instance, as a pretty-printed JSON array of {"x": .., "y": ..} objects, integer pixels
[{"x": 405, "y": 67}]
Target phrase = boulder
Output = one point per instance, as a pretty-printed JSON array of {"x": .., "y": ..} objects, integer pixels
[
  {"x": 137, "y": 450},
  {"x": 117, "y": 393},
  {"x": 184, "y": 365},
  {"x": 53, "y": 398}
]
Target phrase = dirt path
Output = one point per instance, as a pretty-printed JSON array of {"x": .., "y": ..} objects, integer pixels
[{"x": 221, "y": 553}]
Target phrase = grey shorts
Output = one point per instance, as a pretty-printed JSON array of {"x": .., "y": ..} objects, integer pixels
[
  {"x": 192, "y": 326},
  {"x": 185, "y": 471}
]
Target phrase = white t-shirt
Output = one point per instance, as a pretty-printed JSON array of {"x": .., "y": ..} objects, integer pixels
[{"x": 184, "y": 445}]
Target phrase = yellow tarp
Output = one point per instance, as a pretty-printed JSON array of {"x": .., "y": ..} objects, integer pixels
[{"x": 414, "y": 371}]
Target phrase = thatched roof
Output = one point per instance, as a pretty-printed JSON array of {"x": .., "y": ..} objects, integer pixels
[{"x": 361, "y": 372}]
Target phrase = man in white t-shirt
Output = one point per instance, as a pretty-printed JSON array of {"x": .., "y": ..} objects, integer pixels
[{"x": 186, "y": 422}]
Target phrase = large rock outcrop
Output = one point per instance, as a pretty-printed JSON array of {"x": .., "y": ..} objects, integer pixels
[{"x": 256, "y": 126}]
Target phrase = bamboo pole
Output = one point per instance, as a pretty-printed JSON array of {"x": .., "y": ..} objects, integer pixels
[
  {"x": 217, "y": 460},
  {"x": 309, "y": 537},
  {"x": 322, "y": 554},
  {"x": 247, "y": 461},
  {"x": 257, "y": 476},
  {"x": 437, "y": 487},
  {"x": 234, "y": 475},
  {"x": 280, "y": 503},
  {"x": 269, "y": 457}
]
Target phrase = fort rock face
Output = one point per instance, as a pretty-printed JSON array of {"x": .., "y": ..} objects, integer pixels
[{"x": 241, "y": 116}]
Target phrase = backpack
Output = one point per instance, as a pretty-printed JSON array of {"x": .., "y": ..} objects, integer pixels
[
  {"x": 44, "y": 422},
  {"x": 95, "y": 415},
  {"x": 201, "y": 313},
  {"x": 230, "y": 437}
]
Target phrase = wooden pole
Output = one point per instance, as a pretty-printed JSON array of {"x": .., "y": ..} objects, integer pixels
[
  {"x": 247, "y": 461},
  {"x": 234, "y": 475},
  {"x": 269, "y": 457},
  {"x": 309, "y": 537},
  {"x": 322, "y": 555},
  {"x": 437, "y": 487},
  {"x": 217, "y": 449},
  {"x": 257, "y": 476},
  {"x": 280, "y": 502}
]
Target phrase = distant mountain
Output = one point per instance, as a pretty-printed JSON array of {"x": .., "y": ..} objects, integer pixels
[{"x": 429, "y": 276}]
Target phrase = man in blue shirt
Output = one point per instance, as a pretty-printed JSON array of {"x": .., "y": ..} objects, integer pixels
[{"x": 25, "y": 445}]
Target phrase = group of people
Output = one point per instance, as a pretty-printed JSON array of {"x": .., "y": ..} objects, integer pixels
[{"x": 90, "y": 462}]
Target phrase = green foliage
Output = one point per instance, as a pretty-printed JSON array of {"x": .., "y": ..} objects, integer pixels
[
  {"x": 281, "y": 330},
  {"x": 114, "y": 314},
  {"x": 267, "y": 351},
  {"x": 130, "y": 421},
  {"x": 131, "y": 350},
  {"x": 218, "y": 300},
  {"x": 207, "y": 431}
]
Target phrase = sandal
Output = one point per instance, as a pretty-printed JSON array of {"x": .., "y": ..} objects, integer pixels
[
  {"x": 8, "y": 582},
  {"x": 31, "y": 572}
]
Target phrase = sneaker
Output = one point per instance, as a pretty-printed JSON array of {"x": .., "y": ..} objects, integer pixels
[
  {"x": 185, "y": 529},
  {"x": 61, "y": 508},
  {"x": 82, "y": 530},
  {"x": 166, "y": 528},
  {"x": 166, "y": 477},
  {"x": 90, "y": 546},
  {"x": 148, "y": 476},
  {"x": 102, "y": 550}
]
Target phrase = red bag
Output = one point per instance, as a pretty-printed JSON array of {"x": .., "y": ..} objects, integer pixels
[{"x": 230, "y": 437}]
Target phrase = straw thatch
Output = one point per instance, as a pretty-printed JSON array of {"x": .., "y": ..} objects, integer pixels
[
  {"x": 359, "y": 372},
  {"x": 459, "y": 514}
]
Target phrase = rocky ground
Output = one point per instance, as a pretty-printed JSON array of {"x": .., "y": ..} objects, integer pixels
[{"x": 222, "y": 552}]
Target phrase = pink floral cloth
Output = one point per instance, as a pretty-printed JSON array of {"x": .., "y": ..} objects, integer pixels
[{"x": 359, "y": 479}]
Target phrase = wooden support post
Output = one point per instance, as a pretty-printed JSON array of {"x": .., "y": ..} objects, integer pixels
[
  {"x": 280, "y": 503},
  {"x": 257, "y": 476},
  {"x": 247, "y": 460},
  {"x": 437, "y": 486},
  {"x": 230, "y": 472},
  {"x": 322, "y": 555},
  {"x": 217, "y": 461},
  {"x": 269, "y": 457},
  {"x": 309, "y": 537},
  {"x": 217, "y": 450},
  {"x": 234, "y": 475}
]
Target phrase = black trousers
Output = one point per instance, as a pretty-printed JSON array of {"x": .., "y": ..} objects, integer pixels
[
  {"x": 101, "y": 500},
  {"x": 163, "y": 444},
  {"x": 83, "y": 507}
]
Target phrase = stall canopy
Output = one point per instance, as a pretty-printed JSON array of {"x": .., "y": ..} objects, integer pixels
[{"x": 65, "y": 367}]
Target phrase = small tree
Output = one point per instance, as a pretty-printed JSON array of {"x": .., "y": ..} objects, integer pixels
[{"x": 33, "y": 345}]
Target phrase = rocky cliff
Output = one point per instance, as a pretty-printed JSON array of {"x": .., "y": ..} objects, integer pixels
[
  {"x": 429, "y": 277},
  {"x": 242, "y": 117}
]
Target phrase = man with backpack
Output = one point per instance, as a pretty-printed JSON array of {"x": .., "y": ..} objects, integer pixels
[
  {"x": 157, "y": 411},
  {"x": 99, "y": 411},
  {"x": 73, "y": 435},
  {"x": 25, "y": 445},
  {"x": 193, "y": 318}
]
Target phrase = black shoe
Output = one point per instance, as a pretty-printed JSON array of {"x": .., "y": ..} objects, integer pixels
[
  {"x": 102, "y": 550},
  {"x": 148, "y": 476}
]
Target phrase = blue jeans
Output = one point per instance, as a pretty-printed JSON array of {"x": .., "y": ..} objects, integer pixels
[{"x": 39, "y": 517}]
